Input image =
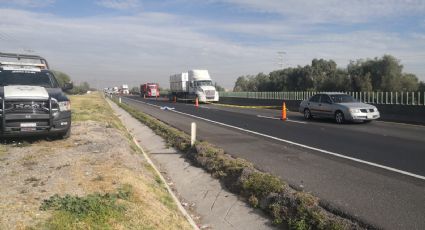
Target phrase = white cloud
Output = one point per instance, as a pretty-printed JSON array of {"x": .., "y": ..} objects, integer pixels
[
  {"x": 334, "y": 11},
  {"x": 119, "y": 4},
  {"x": 111, "y": 50},
  {"x": 29, "y": 3}
]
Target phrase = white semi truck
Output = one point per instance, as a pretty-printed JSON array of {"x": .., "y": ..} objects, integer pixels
[
  {"x": 193, "y": 84},
  {"x": 125, "y": 90}
]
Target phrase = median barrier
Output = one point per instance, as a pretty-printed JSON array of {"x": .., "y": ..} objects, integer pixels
[{"x": 411, "y": 114}]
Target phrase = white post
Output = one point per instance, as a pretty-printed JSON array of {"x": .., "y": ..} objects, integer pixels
[
  {"x": 119, "y": 99},
  {"x": 193, "y": 134}
]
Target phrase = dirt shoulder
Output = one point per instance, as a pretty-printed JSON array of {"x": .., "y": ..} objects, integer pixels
[{"x": 98, "y": 167}]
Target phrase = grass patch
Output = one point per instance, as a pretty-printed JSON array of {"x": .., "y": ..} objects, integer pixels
[
  {"x": 94, "y": 107},
  {"x": 298, "y": 210},
  {"x": 94, "y": 211},
  {"x": 3, "y": 149}
]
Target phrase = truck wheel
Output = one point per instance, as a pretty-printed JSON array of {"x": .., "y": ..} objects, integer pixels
[{"x": 66, "y": 134}]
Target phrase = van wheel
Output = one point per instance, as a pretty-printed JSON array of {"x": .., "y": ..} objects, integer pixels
[{"x": 339, "y": 117}]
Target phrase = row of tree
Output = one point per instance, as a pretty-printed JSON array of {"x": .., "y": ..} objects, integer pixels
[
  {"x": 63, "y": 78},
  {"x": 378, "y": 74}
]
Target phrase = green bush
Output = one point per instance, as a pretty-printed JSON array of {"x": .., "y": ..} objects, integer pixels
[
  {"x": 94, "y": 210},
  {"x": 261, "y": 184}
]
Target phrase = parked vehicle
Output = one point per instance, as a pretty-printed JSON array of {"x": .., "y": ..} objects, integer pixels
[
  {"x": 341, "y": 107},
  {"x": 193, "y": 84},
  {"x": 31, "y": 100},
  {"x": 149, "y": 90}
]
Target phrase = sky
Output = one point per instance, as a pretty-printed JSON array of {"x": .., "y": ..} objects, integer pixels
[{"x": 113, "y": 42}]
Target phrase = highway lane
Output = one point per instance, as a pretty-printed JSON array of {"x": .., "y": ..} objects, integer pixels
[
  {"x": 385, "y": 199},
  {"x": 376, "y": 143}
]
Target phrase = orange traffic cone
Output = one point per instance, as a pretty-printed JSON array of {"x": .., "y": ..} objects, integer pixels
[
  {"x": 283, "y": 118},
  {"x": 196, "y": 102}
]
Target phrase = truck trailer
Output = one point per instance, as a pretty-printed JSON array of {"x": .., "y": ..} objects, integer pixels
[
  {"x": 193, "y": 84},
  {"x": 149, "y": 90}
]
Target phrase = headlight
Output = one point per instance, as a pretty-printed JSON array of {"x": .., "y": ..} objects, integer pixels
[
  {"x": 64, "y": 105},
  {"x": 354, "y": 110}
]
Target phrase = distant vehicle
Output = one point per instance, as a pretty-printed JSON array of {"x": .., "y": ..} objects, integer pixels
[
  {"x": 125, "y": 90},
  {"x": 115, "y": 90},
  {"x": 149, "y": 90},
  {"x": 193, "y": 84},
  {"x": 339, "y": 106},
  {"x": 31, "y": 100}
]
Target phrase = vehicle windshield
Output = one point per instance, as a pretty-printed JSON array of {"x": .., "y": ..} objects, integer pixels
[
  {"x": 342, "y": 98},
  {"x": 204, "y": 83},
  {"x": 43, "y": 79}
]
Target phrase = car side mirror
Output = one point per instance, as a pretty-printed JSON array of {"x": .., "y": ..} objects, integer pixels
[{"x": 67, "y": 86}]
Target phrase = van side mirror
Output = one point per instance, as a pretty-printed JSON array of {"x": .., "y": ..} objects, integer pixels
[{"x": 67, "y": 86}]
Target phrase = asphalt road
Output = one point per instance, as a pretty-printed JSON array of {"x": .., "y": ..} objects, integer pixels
[{"x": 386, "y": 198}]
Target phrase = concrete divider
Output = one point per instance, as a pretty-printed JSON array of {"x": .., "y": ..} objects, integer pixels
[{"x": 411, "y": 114}]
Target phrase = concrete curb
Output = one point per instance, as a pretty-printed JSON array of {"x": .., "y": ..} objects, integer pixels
[{"x": 176, "y": 200}]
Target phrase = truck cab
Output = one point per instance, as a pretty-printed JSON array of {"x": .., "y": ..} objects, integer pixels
[
  {"x": 31, "y": 100},
  {"x": 149, "y": 90},
  {"x": 200, "y": 84}
]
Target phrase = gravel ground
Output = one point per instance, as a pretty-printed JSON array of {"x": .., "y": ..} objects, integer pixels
[{"x": 95, "y": 158}]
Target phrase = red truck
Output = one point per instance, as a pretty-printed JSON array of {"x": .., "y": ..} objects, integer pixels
[{"x": 149, "y": 90}]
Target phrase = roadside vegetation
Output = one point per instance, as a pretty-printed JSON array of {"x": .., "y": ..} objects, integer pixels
[
  {"x": 287, "y": 206},
  {"x": 94, "y": 180},
  {"x": 383, "y": 74}
]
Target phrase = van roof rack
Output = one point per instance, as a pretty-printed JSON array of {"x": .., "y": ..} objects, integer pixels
[{"x": 24, "y": 59}]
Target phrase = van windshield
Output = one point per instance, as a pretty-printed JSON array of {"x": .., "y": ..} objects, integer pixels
[
  {"x": 204, "y": 83},
  {"x": 43, "y": 79}
]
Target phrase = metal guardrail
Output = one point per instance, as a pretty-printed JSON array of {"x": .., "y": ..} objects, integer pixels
[{"x": 390, "y": 98}]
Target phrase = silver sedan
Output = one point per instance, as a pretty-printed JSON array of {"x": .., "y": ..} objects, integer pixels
[{"x": 341, "y": 107}]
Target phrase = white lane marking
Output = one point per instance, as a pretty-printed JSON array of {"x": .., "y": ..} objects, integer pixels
[
  {"x": 277, "y": 118},
  {"x": 274, "y": 118},
  {"x": 300, "y": 145}
]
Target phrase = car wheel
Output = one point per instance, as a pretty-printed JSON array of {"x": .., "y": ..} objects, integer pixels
[
  {"x": 339, "y": 117},
  {"x": 307, "y": 114}
]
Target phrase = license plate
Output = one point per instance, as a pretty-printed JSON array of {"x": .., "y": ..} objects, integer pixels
[
  {"x": 27, "y": 129},
  {"x": 27, "y": 125}
]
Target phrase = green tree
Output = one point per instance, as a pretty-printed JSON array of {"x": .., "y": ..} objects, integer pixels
[
  {"x": 241, "y": 84},
  {"x": 61, "y": 77},
  {"x": 135, "y": 90},
  {"x": 219, "y": 88},
  {"x": 421, "y": 86},
  {"x": 409, "y": 82},
  {"x": 80, "y": 89}
]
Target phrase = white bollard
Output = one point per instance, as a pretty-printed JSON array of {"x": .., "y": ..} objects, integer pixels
[
  {"x": 193, "y": 134},
  {"x": 119, "y": 99}
]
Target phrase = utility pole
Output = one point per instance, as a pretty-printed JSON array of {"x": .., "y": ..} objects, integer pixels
[{"x": 280, "y": 58}]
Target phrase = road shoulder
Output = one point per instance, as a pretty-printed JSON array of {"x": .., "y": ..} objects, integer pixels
[{"x": 210, "y": 204}]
